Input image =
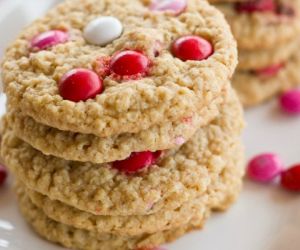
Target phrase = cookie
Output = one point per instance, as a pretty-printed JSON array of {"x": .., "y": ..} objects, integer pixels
[
  {"x": 73, "y": 238},
  {"x": 254, "y": 88},
  {"x": 165, "y": 86},
  {"x": 102, "y": 190},
  {"x": 90, "y": 148},
  {"x": 222, "y": 192},
  {"x": 119, "y": 225},
  {"x": 261, "y": 58},
  {"x": 264, "y": 29}
]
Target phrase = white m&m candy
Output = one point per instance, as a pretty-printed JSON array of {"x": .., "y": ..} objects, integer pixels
[{"x": 103, "y": 30}]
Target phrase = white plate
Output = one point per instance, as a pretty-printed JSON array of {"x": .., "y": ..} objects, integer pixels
[{"x": 265, "y": 218}]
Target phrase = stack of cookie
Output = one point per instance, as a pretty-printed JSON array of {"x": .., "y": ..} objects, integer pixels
[
  {"x": 267, "y": 32},
  {"x": 122, "y": 129}
]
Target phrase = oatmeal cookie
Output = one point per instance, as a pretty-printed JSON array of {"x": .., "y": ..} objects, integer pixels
[
  {"x": 254, "y": 88},
  {"x": 91, "y": 148},
  {"x": 165, "y": 88},
  {"x": 264, "y": 29},
  {"x": 73, "y": 238},
  {"x": 261, "y": 58},
  {"x": 221, "y": 193},
  {"x": 102, "y": 190}
]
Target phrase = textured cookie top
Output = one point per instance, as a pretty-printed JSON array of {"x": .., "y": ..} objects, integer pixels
[
  {"x": 102, "y": 190},
  {"x": 169, "y": 89},
  {"x": 263, "y": 28}
]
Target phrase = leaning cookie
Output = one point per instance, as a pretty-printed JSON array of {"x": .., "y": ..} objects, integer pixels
[
  {"x": 221, "y": 193},
  {"x": 91, "y": 148},
  {"x": 258, "y": 86},
  {"x": 257, "y": 27},
  {"x": 73, "y": 238},
  {"x": 77, "y": 84},
  {"x": 105, "y": 189}
]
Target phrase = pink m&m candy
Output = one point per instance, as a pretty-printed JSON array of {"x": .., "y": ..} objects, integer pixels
[
  {"x": 3, "y": 175},
  {"x": 176, "y": 6},
  {"x": 49, "y": 39},
  {"x": 264, "y": 167},
  {"x": 270, "y": 70},
  {"x": 136, "y": 162},
  {"x": 290, "y": 179},
  {"x": 129, "y": 63},
  {"x": 192, "y": 48},
  {"x": 256, "y": 6},
  {"x": 290, "y": 101},
  {"x": 80, "y": 85}
]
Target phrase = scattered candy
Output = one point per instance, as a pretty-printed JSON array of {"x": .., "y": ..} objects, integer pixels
[
  {"x": 80, "y": 85},
  {"x": 49, "y": 39},
  {"x": 290, "y": 101},
  {"x": 192, "y": 48},
  {"x": 136, "y": 162},
  {"x": 270, "y": 70},
  {"x": 176, "y": 6},
  {"x": 251, "y": 6},
  {"x": 129, "y": 63},
  {"x": 290, "y": 179},
  {"x": 3, "y": 175},
  {"x": 103, "y": 30},
  {"x": 264, "y": 167}
]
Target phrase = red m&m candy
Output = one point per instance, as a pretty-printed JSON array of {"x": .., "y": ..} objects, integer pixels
[
  {"x": 129, "y": 63},
  {"x": 137, "y": 161},
  {"x": 270, "y": 70},
  {"x": 251, "y": 6},
  {"x": 49, "y": 39},
  {"x": 80, "y": 85},
  {"x": 290, "y": 179},
  {"x": 192, "y": 48}
]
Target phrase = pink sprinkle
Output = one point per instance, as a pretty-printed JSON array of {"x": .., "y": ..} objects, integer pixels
[
  {"x": 290, "y": 101},
  {"x": 265, "y": 167},
  {"x": 188, "y": 120},
  {"x": 176, "y": 6},
  {"x": 150, "y": 206},
  {"x": 179, "y": 140},
  {"x": 48, "y": 39}
]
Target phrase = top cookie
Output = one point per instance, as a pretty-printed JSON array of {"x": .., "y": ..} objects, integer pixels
[
  {"x": 131, "y": 68},
  {"x": 263, "y": 24}
]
